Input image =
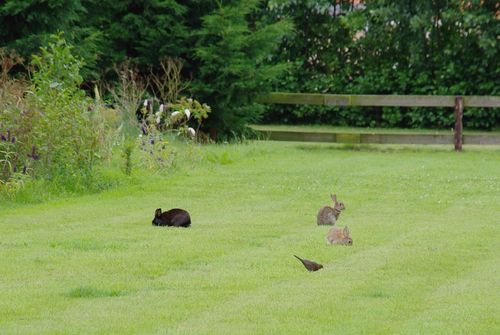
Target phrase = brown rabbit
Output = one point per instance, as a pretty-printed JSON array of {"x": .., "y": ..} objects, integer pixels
[
  {"x": 328, "y": 215},
  {"x": 339, "y": 236}
]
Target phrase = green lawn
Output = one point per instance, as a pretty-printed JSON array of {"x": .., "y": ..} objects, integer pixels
[{"x": 425, "y": 259}]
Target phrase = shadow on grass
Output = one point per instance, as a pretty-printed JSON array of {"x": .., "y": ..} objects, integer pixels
[
  {"x": 87, "y": 245},
  {"x": 377, "y": 294},
  {"x": 91, "y": 292}
]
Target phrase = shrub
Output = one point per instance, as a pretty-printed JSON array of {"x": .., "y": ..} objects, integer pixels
[
  {"x": 169, "y": 121},
  {"x": 17, "y": 153},
  {"x": 66, "y": 127},
  {"x": 192, "y": 109}
]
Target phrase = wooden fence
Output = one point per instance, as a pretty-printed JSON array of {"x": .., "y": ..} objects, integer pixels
[{"x": 457, "y": 102}]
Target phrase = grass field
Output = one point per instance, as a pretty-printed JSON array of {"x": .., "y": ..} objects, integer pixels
[{"x": 425, "y": 259}]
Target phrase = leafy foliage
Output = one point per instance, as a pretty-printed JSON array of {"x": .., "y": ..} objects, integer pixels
[
  {"x": 16, "y": 155},
  {"x": 65, "y": 128},
  {"x": 388, "y": 47},
  {"x": 145, "y": 31},
  {"x": 25, "y": 25},
  {"x": 192, "y": 109},
  {"x": 234, "y": 49}
]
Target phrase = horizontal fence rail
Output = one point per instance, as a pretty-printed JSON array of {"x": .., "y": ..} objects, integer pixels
[
  {"x": 364, "y": 100},
  {"x": 375, "y": 138},
  {"x": 368, "y": 100}
]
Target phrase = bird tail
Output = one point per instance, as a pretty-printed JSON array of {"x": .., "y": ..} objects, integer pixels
[{"x": 300, "y": 259}]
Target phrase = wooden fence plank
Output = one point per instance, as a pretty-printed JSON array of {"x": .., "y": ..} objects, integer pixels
[
  {"x": 293, "y": 99},
  {"x": 482, "y": 101},
  {"x": 298, "y": 136},
  {"x": 378, "y": 100},
  {"x": 406, "y": 139},
  {"x": 402, "y": 101},
  {"x": 458, "y": 102},
  {"x": 376, "y": 138},
  {"x": 482, "y": 139}
]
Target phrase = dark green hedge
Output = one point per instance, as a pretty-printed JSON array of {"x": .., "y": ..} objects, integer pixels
[{"x": 391, "y": 47}]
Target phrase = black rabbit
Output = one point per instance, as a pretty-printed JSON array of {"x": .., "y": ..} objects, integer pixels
[{"x": 175, "y": 217}]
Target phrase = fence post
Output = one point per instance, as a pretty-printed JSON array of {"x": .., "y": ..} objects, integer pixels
[{"x": 459, "y": 112}]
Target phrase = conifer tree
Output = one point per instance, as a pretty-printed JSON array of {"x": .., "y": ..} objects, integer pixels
[
  {"x": 234, "y": 50},
  {"x": 25, "y": 25}
]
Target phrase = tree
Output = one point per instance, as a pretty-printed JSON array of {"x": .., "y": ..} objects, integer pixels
[
  {"x": 25, "y": 25},
  {"x": 234, "y": 50}
]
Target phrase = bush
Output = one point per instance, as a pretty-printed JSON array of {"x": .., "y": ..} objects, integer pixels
[
  {"x": 66, "y": 128},
  {"x": 17, "y": 153}
]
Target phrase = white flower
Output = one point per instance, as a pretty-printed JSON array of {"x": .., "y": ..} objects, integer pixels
[
  {"x": 146, "y": 103},
  {"x": 161, "y": 108},
  {"x": 140, "y": 135},
  {"x": 174, "y": 114},
  {"x": 191, "y": 132},
  {"x": 331, "y": 10},
  {"x": 187, "y": 112},
  {"x": 158, "y": 119},
  {"x": 359, "y": 34}
]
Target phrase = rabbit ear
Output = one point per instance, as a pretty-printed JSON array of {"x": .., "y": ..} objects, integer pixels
[
  {"x": 334, "y": 197},
  {"x": 158, "y": 212},
  {"x": 346, "y": 231}
]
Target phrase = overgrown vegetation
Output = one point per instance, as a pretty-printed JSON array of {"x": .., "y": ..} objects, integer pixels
[
  {"x": 17, "y": 153},
  {"x": 66, "y": 128},
  {"x": 52, "y": 132},
  {"x": 50, "y": 129}
]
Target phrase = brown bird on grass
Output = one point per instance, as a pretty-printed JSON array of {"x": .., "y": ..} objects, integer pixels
[{"x": 310, "y": 265}]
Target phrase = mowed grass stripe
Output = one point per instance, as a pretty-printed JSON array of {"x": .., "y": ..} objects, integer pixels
[
  {"x": 233, "y": 271},
  {"x": 455, "y": 308},
  {"x": 391, "y": 266}
]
